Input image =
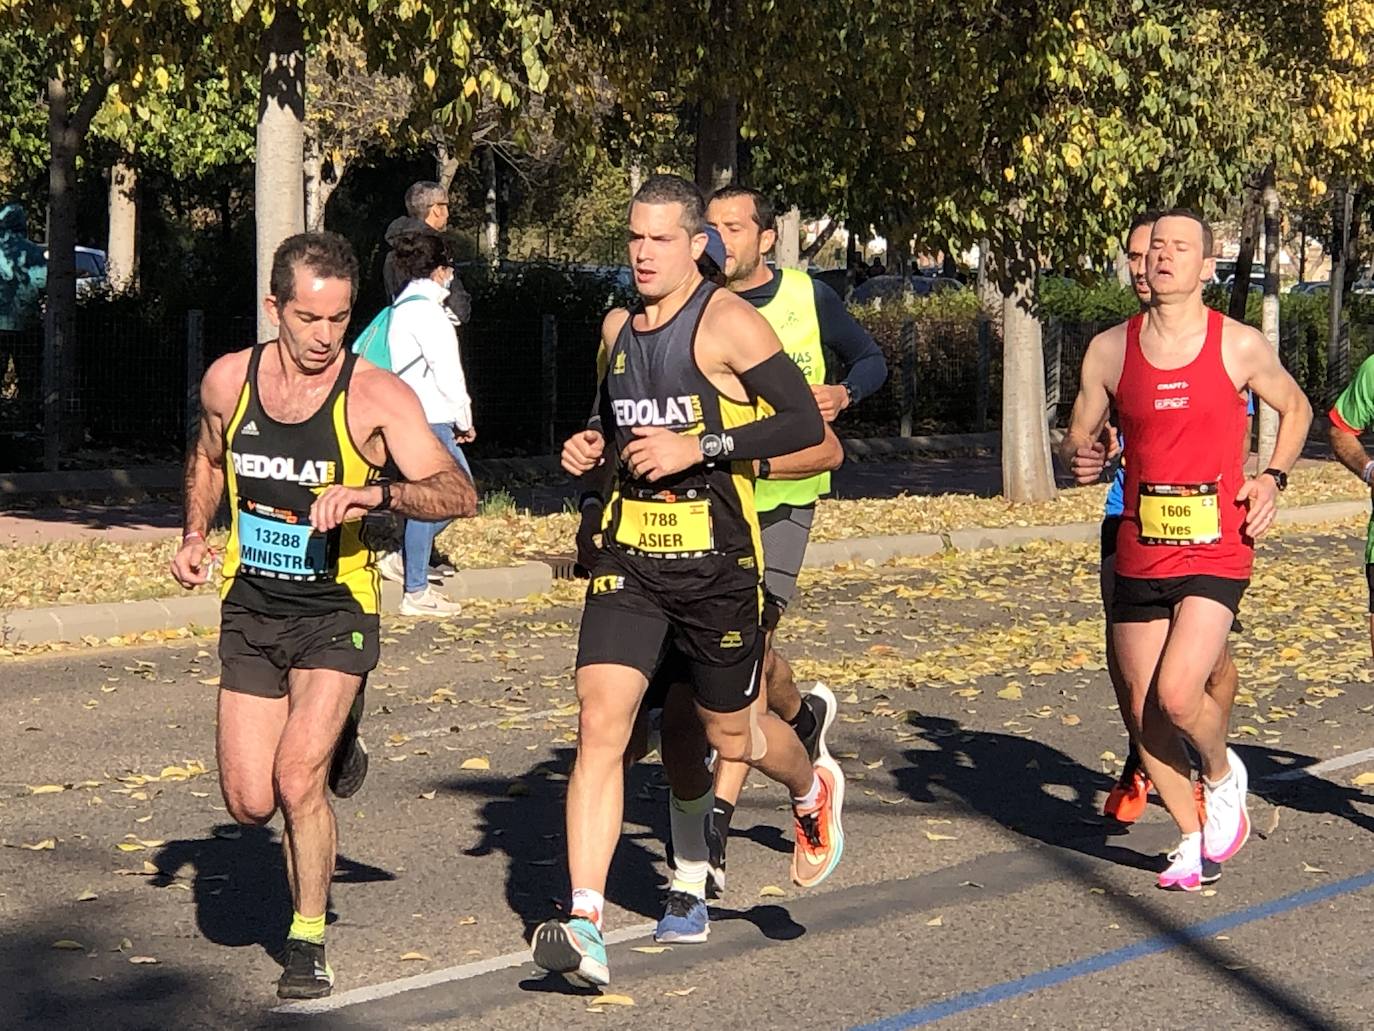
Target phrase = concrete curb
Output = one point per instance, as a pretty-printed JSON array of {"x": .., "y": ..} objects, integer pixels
[
  {"x": 70, "y": 623},
  {"x": 914, "y": 545}
]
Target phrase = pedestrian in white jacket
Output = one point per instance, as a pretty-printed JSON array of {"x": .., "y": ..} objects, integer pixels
[{"x": 424, "y": 345}]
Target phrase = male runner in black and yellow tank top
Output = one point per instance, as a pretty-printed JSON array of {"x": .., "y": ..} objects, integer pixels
[
  {"x": 299, "y": 428},
  {"x": 688, "y": 374}
]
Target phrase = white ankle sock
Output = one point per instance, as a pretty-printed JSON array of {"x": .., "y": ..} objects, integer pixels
[
  {"x": 584, "y": 900},
  {"x": 809, "y": 800}
]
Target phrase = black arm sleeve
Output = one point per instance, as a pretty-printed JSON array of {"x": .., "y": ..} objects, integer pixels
[
  {"x": 796, "y": 422},
  {"x": 865, "y": 368}
]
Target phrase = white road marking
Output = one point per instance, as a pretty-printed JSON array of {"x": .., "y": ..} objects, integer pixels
[
  {"x": 371, "y": 993},
  {"x": 1340, "y": 762}
]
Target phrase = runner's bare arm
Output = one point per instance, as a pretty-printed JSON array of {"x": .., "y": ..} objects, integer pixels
[
  {"x": 1082, "y": 451},
  {"x": 1348, "y": 449},
  {"x": 433, "y": 487},
  {"x": 204, "y": 476},
  {"x": 825, "y": 457},
  {"x": 1277, "y": 388},
  {"x": 1266, "y": 376}
]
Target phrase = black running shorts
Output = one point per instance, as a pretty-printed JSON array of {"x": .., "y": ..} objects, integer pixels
[
  {"x": 707, "y": 610},
  {"x": 257, "y": 652},
  {"x": 1138, "y": 600}
]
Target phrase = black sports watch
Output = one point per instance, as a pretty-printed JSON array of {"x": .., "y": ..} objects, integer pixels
[
  {"x": 385, "y": 503},
  {"x": 765, "y": 467},
  {"x": 1280, "y": 477},
  {"x": 714, "y": 445},
  {"x": 849, "y": 391}
]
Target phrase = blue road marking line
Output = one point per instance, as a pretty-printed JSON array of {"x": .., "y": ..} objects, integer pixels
[{"x": 990, "y": 996}]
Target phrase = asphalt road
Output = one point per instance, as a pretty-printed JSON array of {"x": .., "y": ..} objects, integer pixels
[{"x": 979, "y": 888}]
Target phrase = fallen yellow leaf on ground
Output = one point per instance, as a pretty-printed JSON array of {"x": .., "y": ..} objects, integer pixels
[
  {"x": 477, "y": 762},
  {"x": 771, "y": 891}
]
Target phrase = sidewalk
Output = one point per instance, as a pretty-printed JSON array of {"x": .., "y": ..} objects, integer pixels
[{"x": 72, "y": 623}]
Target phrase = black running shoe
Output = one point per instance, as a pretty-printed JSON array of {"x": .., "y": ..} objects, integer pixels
[
  {"x": 821, "y": 701},
  {"x": 349, "y": 768},
  {"x": 305, "y": 973}
]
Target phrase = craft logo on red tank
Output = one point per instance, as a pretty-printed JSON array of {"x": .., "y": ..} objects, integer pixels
[{"x": 1168, "y": 404}]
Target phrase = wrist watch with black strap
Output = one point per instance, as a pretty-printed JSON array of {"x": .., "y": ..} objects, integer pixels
[
  {"x": 385, "y": 503},
  {"x": 1279, "y": 476}
]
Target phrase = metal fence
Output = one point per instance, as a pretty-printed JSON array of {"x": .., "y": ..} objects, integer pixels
[{"x": 532, "y": 380}]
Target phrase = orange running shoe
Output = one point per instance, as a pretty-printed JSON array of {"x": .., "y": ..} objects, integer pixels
[
  {"x": 1127, "y": 800},
  {"x": 1201, "y": 801},
  {"x": 820, "y": 832}
]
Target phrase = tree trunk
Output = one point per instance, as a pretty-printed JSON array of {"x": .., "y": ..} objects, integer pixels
[
  {"x": 279, "y": 173},
  {"x": 121, "y": 246},
  {"x": 1336, "y": 373},
  {"x": 226, "y": 216},
  {"x": 503, "y": 209},
  {"x": 445, "y": 165},
  {"x": 1302, "y": 251},
  {"x": 313, "y": 167},
  {"x": 490, "y": 223},
  {"x": 1251, "y": 215},
  {"x": 1352, "y": 239},
  {"x": 1269, "y": 194},
  {"x": 1027, "y": 468},
  {"x": 636, "y": 177},
  {"x": 788, "y": 252},
  {"x": 989, "y": 289},
  {"x": 717, "y": 144},
  {"x": 62, "y": 414},
  {"x": 822, "y": 238}
]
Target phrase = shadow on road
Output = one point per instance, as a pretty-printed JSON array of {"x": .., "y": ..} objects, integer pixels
[
  {"x": 238, "y": 880},
  {"x": 528, "y": 829},
  {"x": 1004, "y": 778}
]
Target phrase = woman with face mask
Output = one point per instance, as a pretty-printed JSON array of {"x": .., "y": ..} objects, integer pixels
[{"x": 424, "y": 346}]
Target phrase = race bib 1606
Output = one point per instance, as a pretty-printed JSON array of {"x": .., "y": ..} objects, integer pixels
[{"x": 1179, "y": 513}]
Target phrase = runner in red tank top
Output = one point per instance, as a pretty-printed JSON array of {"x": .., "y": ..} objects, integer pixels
[{"x": 1186, "y": 542}]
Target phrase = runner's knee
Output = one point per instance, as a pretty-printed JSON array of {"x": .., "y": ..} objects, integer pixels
[
  {"x": 299, "y": 785},
  {"x": 252, "y": 808},
  {"x": 602, "y": 728},
  {"x": 1180, "y": 702}
]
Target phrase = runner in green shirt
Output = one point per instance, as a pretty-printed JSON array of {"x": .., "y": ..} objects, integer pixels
[{"x": 1352, "y": 414}]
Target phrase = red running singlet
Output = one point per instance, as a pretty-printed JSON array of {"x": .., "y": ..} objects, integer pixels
[{"x": 1186, "y": 427}]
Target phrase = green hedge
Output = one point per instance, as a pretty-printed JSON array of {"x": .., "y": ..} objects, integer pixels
[{"x": 942, "y": 373}]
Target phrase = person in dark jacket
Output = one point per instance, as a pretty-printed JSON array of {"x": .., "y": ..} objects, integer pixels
[{"x": 426, "y": 212}]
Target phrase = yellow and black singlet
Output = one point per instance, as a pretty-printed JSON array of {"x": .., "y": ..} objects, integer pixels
[
  {"x": 652, "y": 379},
  {"x": 275, "y": 563}
]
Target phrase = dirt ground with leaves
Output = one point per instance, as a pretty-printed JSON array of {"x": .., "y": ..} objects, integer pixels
[
  {"x": 977, "y": 731},
  {"x": 65, "y": 572}
]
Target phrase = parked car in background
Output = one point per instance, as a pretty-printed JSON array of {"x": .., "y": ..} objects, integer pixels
[
  {"x": 894, "y": 287},
  {"x": 92, "y": 271},
  {"x": 1312, "y": 286},
  {"x": 835, "y": 278}
]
